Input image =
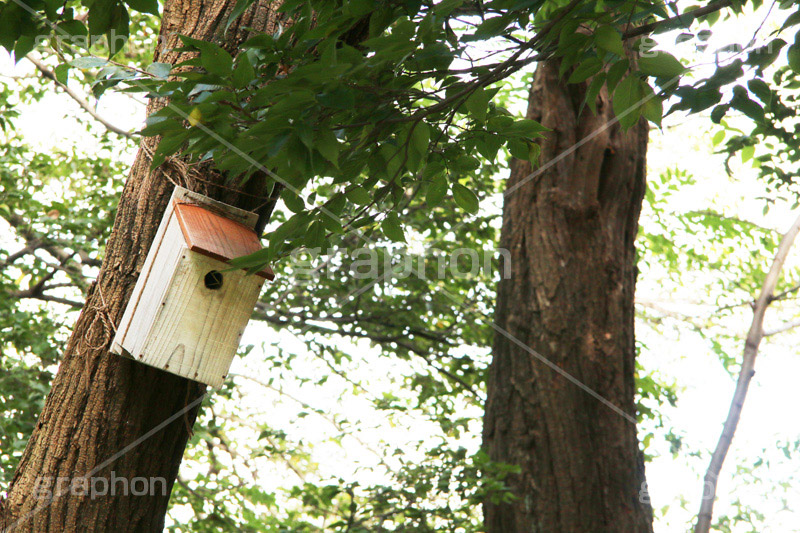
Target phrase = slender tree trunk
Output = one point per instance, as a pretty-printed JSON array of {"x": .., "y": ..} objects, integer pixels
[
  {"x": 570, "y": 230},
  {"x": 102, "y": 404}
]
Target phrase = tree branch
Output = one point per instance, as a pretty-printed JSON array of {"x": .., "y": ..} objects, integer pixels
[
  {"x": 32, "y": 295},
  {"x": 784, "y": 294},
  {"x": 36, "y": 241},
  {"x": 332, "y": 420},
  {"x": 381, "y": 320},
  {"x": 12, "y": 258},
  {"x": 754, "y": 337},
  {"x": 684, "y": 19},
  {"x": 37, "y": 290},
  {"x": 783, "y": 327},
  {"x": 399, "y": 340},
  {"x": 47, "y": 73}
]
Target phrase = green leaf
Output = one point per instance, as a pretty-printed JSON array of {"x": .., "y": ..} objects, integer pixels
[
  {"x": 793, "y": 56},
  {"x": 465, "y": 198},
  {"x": 661, "y": 65},
  {"x": 73, "y": 28},
  {"x": 435, "y": 56},
  {"x": 359, "y": 195},
  {"x": 718, "y": 112},
  {"x": 144, "y": 6},
  {"x": 747, "y": 153},
  {"x": 594, "y": 89},
  {"x": 62, "y": 73},
  {"x": 336, "y": 205},
  {"x": 155, "y": 125},
  {"x": 626, "y": 101},
  {"x": 327, "y": 145},
  {"x": 292, "y": 201},
  {"x": 88, "y": 62},
  {"x": 765, "y": 55},
  {"x": 257, "y": 259},
  {"x": 492, "y": 27},
  {"x": 337, "y": 98},
  {"x": 243, "y": 74},
  {"x": 585, "y": 70},
  {"x": 305, "y": 133},
  {"x": 100, "y": 16},
  {"x": 791, "y": 20},
  {"x": 117, "y": 34},
  {"x": 747, "y": 106},
  {"x": 718, "y": 137},
  {"x": 534, "y": 150},
  {"x": 159, "y": 70},
  {"x": 761, "y": 89},
  {"x": 290, "y": 229},
  {"x": 478, "y": 103},
  {"x": 519, "y": 149},
  {"x": 526, "y": 128},
  {"x": 361, "y": 8},
  {"x": 10, "y": 15},
  {"x": 437, "y": 189},
  {"x": 391, "y": 227},
  {"x": 615, "y": 73},
  {"x": 609, "y": 39},
  {"x": 420, "y": 138},
  {"x": 168, "y": 145},
  {"x": 315, "y": 236},
  {"x": 466, "y": 163},
  {"x": 51, "y": 8},
  {"x": 445, "y": 7},
  {"x": 488, "y": 145},
  {"x": 333, "y": 225},
  {"x": 238, "y": 9},
  {"x": 653, "y": 108},
  {"x": 215, "y": 59},
  {"x": 24, "y": 45}
]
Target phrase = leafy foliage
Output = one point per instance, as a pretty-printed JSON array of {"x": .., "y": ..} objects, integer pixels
[
  {"x": 355, "y": 107},
  {"x": 59, "y": 242}
]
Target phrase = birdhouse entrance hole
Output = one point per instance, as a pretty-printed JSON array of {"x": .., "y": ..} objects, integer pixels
[{"x": 213, "y": 280}]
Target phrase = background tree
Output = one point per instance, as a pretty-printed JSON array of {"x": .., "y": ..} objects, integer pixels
[{"x": 560, "y": 401}]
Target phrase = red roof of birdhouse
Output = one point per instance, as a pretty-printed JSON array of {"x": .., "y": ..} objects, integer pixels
[{"x": 216, "y": 236}]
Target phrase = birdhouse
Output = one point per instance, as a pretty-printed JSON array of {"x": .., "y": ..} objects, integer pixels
[{"x": 189, "y": 308}]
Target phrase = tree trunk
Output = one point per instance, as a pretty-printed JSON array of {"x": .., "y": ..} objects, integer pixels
[
  {"x": 570, "y": 230},
  {"x": 106, "y": 413}
]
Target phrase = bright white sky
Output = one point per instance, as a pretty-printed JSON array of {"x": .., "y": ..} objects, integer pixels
[{"x": 675, "y": 355}]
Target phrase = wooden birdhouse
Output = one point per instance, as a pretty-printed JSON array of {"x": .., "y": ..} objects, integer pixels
[{"x": 189, "y": 309}]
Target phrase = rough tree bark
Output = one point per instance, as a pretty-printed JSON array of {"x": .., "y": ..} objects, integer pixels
[
  {"x": 101, "y": 403},
  {"x": 570, "y": 231}
]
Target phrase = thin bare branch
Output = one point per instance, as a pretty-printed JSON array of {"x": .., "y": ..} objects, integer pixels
[
  {"x": 31, "y": 295},
  {"x": 47, "y": 73},
  {"x": 782, "y": 328},
  {"x": 399, "y": 340},
  {"x": 36, "y": 241},
  {"x": 684, "y": 19},
  {"x": 319, "y": 413},
  {"x": 12, "y": 258},
  {"x": 754, "y": 337},
  {"x": 784, "y": 294}
]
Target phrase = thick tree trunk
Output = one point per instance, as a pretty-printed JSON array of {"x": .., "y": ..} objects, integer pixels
[
  {"x": 570, "y": 231},
  {"x": 105, "y": 413}
]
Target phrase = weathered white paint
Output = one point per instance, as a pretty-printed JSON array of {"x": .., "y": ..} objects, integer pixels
[{"x": 173, "y": 321}]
